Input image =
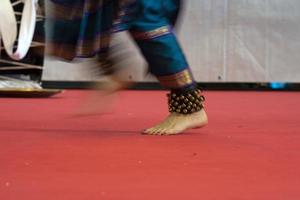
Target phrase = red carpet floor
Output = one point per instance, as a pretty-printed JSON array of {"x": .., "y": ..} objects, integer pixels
[{"x": 249, "y": 150}]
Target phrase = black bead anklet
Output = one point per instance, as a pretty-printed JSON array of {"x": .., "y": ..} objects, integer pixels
[{"x": 185, "y": 103}]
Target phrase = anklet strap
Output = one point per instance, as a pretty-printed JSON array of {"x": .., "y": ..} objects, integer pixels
[{"x": 185, "y": 103}]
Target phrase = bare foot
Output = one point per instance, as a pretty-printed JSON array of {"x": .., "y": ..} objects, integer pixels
[
  {"x": 101, "y": 99},
  {"x": 177, "y": 123},
  {"x": 95, "y": 103}
]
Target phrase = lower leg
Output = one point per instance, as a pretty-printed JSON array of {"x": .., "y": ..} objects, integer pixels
[
  {"x": 167, "y": 62},
  {"x": 186, "y": 112}
]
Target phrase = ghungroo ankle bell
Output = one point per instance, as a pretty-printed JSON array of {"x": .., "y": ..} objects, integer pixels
[{"x": 185, "y": 103}]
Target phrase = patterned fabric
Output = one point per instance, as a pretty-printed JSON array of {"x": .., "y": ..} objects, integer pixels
[
  {"x": 79, "y": 28},
  {"x": 82, "y": 28},
  {"x": 178, "y": 80}
]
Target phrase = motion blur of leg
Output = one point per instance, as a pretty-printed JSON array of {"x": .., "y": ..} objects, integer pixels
[
  {"x": 86, "y": 27},
  {"x": 82, "y": 29},
  {"x": 152, "y": 30}
]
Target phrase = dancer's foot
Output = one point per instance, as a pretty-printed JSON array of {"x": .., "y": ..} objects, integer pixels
[
  {"x": 177, "y": 123},
  {"x": 101, "y": 99},
  {"x": 95, "y": 103}
]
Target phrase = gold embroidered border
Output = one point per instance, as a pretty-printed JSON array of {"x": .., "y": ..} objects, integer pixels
[
  {"x": 151, "y": 34},
  {"x": 178, "y": 80}
]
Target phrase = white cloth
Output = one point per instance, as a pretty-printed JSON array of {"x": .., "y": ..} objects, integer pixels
[{"x": 8, "y": 28}]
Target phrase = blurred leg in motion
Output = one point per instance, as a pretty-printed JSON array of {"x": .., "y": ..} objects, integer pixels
[
  {"x": 78, "y": 29},
  {"x": 87, "y": 28}
]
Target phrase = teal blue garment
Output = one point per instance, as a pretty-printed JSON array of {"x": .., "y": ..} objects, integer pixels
[
  {"x": 146, "y": 15},
  {"x": 163, "y": 53}
]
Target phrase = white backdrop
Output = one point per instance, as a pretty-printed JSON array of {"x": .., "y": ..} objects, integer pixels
[{"x": 224, "y": 40}]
